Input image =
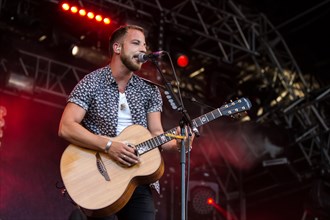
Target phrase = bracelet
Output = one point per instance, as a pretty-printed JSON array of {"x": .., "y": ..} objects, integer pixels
[{"x": 107, "y": 147}]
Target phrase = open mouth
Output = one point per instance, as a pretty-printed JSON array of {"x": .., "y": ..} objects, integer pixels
[
  {"x": 136, "y": 58},
  {"x": 140, "y": 57}
]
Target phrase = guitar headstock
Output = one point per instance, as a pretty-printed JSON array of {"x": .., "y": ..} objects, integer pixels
[{"x": 237, "y": 106}]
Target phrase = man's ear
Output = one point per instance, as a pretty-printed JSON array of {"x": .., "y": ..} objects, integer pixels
[{"x": 117, "y": 47}]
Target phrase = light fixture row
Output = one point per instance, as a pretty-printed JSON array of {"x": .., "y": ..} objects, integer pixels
[{"x": 85, "y": 13}]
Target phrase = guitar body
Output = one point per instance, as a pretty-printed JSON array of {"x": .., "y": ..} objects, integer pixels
[{"x": 89, "y": 188}]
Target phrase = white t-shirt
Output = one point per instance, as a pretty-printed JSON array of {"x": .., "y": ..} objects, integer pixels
[{"x": 124, "y": 114}]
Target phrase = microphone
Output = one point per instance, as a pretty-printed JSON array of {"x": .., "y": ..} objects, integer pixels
[{"x": 142, "y": 57}]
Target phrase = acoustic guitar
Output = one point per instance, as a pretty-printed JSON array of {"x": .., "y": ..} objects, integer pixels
[{"x": 101, "y": 186}]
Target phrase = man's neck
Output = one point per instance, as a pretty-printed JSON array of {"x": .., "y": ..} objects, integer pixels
[
  {"x": 119, "y": 70},
  {"x": 121, "y": 74}
]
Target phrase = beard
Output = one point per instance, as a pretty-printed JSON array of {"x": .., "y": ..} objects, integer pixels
[{"x": 129, "y": 63}]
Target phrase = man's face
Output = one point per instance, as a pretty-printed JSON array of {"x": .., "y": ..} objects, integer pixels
[{"x": 133, "y": 44}]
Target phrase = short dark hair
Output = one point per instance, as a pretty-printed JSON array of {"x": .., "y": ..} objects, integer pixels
[{"x": 120, "y": 33}]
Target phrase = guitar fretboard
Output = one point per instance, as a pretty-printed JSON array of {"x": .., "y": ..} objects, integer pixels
[
  {"x": 155, "y": 142},
  {"x": 240, "y": 105},
  {"x": 162, "y": 139}
]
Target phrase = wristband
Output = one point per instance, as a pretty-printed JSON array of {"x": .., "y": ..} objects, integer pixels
[{"x": 107, "y": 147}]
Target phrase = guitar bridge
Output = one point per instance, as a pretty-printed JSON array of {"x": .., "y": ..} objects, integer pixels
[{"x": 101, "y": 167}]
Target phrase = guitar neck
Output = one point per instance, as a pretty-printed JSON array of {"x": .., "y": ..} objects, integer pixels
[
  {"x": 231, "y": 108},
  {"x": 162, "y": 139}
]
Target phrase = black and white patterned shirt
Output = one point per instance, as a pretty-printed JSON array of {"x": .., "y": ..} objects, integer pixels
[{"x": 98, "y": 94}]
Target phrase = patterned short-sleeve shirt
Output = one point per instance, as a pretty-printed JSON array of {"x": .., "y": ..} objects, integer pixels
[{"x": 98, "y": 94}]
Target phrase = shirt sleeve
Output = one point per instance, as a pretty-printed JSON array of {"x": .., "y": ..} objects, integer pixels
[
  {"x": 156, "y": 102},
  {"x": 82, "y": 93}
]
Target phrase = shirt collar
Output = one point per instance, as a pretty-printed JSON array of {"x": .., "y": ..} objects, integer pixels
[
  {"x": 133, "y": 80},
  {"x": 109, "y": 76}
]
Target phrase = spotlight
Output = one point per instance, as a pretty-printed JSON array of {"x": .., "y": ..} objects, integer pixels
[
  {"x": 200, "y": 199},
  {"x": 106, "y": 21},
  {"x": 65, "y": 6},
  {"x": 91, "y": 55},
  {"x": 182, "y": 60},
  {"x": 82, "y": 12},
  {"x": 203, "y": 196},
  {"x": 98, "y": 18},
  {"x": 74, "y": 9},
  {"x": 90, "y": 15},
  {"x": 210, "y": 201},
  {"x": 20, "y": 82}
]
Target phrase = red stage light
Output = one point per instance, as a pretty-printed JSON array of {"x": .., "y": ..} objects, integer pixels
[
  {"x": 82, "y": 12},
  {"x": 182, "y": 61},
  {"x": 106, "y": 20},
  {"x": 74, "y": 9},
  {"x": 210, "y": 201},
  {"x": 90, "y": 15},
  {"x": 65, "y": 6},
  {"x": 98, "y": 18}
]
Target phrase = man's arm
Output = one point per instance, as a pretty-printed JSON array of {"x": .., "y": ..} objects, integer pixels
[{"x": 71, "y": 130}]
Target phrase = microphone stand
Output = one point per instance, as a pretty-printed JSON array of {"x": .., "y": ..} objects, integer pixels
[{"x": 185, "y": 121}]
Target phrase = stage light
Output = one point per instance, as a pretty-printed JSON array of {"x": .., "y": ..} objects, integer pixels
[
  {"x": 42, "y": 38},
  {"x": 98, "y": 18},
  {"x": 65, "y": 6},
  {"x": 203, "y": 196},
  {"x": 200, "y": 199},
  {"x": 20, "y": 82},
  {"x": 182, "y": 60},
  {"x": 106, "y": 20},
  {"x": 74, "y": 9},
  {"x": 210, "y": 201},
  {"x": 75, "y": 50},
  {"x": 197, "y": 72},
  {"x": 82, "y": 12},
  {"x": 90, "y": 15},
  {"x": 91, "y": 55}
]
